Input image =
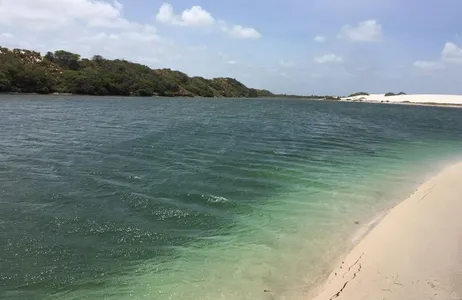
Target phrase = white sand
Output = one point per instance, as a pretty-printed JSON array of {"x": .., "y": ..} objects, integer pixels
[
  {"x": 415, "y": 252},
  {"x": 420, "y": 99}
]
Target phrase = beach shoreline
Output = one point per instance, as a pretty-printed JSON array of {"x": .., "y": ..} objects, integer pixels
[
  {"x": 402, "y": 253},
  {"x": 420, "y": 100}
]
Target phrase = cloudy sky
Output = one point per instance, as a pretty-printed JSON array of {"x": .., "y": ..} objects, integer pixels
[{"x": 287, "y": 46}]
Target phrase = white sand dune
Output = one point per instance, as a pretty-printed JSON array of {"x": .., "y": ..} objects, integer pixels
[
  {"x": 415, "y": 252},
  {"x": 420, "y": 99}
]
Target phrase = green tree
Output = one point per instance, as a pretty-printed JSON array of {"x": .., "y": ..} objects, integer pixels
[
  {"x": 49, "y": 56},
  {"x": 143, "y": 93},
  {"x": 359, "y": 94},
  {"x": 67, "y": 60},
  {"x": 97, "y": 58},
  {"x": 66, "y": 72},
  {"x": 5, "y": 84}
]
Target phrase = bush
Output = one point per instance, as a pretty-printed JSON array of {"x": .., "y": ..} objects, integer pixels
[
  {"x": 333, "y": 98},
  {"x": 143, "y": 93},
  {"x": 5, "y": 84},
  {"x": 359, "y": 94},
  {"x": 393, "y": 94}
]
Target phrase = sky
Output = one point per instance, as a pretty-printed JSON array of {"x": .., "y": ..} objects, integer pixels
[{"x": 334, "y": 47}]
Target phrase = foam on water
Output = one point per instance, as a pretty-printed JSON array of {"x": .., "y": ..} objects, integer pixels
[{"x": 215, "y": 199}]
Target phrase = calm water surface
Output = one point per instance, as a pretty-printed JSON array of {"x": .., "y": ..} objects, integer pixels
[{"x": 124, "y": 198}]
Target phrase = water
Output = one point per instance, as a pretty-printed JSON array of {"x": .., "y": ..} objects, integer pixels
[{"x": 119, "y": 198}]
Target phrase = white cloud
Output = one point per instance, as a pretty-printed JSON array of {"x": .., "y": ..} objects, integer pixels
[
  {"x": 194, "y": 16},
  {"x": 367, "y": 31},
  {"x": 328, "y": 58},
  {"x": 241, "y": 32},
  {"x": 320, "y": 39},
  {"x": 165, "y": 14},
  {"x": 40, "y": 14},
  {"x": 197, "y": 16},
  {"x": 87, "y": 27},
  {"x": 429, "y": 65},
  {"x": 238, "y": 31},
  {"x": 223, "y": 26},
  {"x": 451, "y": 54},
  {"x": 286, "y": 63},
  {"x": 226, "y": 58}
]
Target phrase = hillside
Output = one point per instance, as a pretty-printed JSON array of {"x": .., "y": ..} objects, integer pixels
[{"x": 24, "y": 71}]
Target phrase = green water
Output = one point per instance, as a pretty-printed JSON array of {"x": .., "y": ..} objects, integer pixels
[{"x": 124, "y": 198}]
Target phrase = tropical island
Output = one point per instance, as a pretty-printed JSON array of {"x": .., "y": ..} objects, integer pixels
[{"x": 26, "y": 71}]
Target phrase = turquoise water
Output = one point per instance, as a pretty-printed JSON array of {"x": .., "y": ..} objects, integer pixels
[{"x": 124, "y": 198}]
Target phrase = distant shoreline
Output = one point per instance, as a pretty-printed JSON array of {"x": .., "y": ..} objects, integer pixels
[
  {"x": 356, "y": 99},
  {"x": 156, "y": 96},
  {"x": 420, "y": 100},
  {"x": 408, "y": 103},
  {"x": 129, "y": 96}
]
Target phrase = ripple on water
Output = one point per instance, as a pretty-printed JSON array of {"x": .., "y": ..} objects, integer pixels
[{"x": 197, "y": 199}]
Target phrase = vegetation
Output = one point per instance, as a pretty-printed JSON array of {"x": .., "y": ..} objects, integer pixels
[
  {"x": 359, "y": 94},
  {"x": 24, "y": 71},
  {"x": 315, "y": 97},
  {"x": 393, "y": 94},
  {"x": 331, "y": 98}
]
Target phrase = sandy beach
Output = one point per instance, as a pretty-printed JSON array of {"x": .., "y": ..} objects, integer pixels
[
  {"x": 415, "y": 252},
  {"x": 443, "y": 100}
]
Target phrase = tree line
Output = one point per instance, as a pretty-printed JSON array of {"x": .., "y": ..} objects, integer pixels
[{"x": 25, "y": 71}]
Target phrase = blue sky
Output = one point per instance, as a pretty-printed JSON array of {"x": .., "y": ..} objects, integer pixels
[{"x": 300, "y": 47}]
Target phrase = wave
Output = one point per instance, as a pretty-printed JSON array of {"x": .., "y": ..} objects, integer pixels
[{"x": 215, "y": 199}]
